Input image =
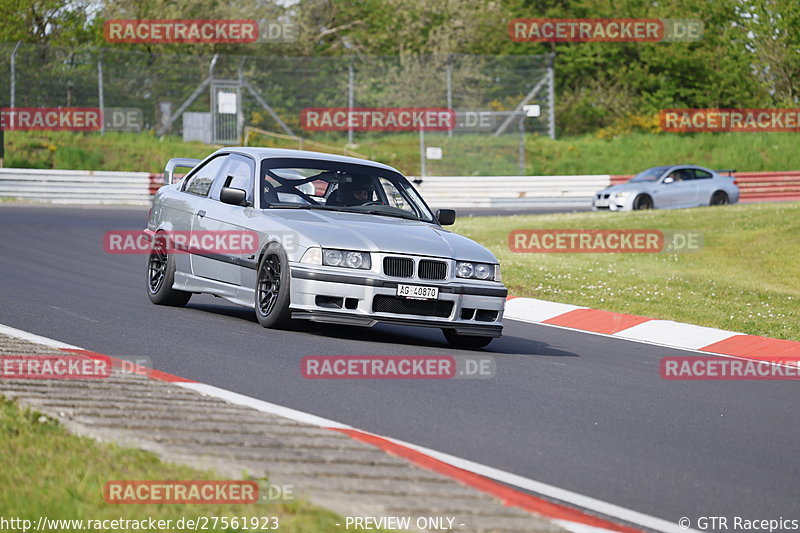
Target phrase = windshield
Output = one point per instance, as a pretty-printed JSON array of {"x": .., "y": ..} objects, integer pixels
[
  {"x": 651, "y": 174},
  {"x": 313, "y": 184}
]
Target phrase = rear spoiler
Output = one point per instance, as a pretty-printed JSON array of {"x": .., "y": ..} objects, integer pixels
[
  {"x": 175, "y": 162},
  {"x": 730, "y": 172}
]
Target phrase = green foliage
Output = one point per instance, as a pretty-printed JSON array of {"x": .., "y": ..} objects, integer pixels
[{"x": 749, "y": 55}]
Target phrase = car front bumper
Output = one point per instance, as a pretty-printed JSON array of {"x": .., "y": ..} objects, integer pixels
[
  {"x": 611, "y": 204},
  {"x": 360, "y": 298}
]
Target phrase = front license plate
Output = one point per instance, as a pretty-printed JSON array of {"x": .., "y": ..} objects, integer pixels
[{"x": 417, "y": 292}]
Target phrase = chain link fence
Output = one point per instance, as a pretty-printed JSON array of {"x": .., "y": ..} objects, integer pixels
[{"x": 487, "y": 93}]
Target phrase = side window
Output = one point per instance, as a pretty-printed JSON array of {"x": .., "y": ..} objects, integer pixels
[
  {"x": 238, "y": 174},
  {"x": 675, "y": 175},
  {"x": 200, "y": 182},
  {"x": 701, "y": 174}
]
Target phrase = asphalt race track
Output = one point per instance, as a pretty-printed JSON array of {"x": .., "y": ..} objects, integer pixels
[{"x": 583, "y": 412}]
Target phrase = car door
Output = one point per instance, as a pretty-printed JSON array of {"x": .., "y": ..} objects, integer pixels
[
  {"x": 194, "y": 191},
  {"x": 704, "y": 186},
  {"x": 679, "y": 191},
  {"x": 220, "y": 219}
]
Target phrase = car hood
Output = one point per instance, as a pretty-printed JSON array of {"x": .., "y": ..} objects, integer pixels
[{"x": 375, "y": 233}]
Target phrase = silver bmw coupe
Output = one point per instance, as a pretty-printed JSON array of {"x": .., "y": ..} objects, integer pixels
[
  {"x": 669, "y": 187},
  {"x": 334, "y": 239}
]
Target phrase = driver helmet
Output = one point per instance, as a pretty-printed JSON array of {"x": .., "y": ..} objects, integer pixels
[{"x": 357, "y": 189}]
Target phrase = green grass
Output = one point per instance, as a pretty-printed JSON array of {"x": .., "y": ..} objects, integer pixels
[
  {"x": 50, "y": 472},
  {"x": 745, "y": 277},
  {"x": 463, "y": 154},
  {"x": 484, "y": 155},
  {"x": 91, "y": 151}
]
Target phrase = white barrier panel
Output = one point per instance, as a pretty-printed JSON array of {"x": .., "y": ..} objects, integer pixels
[
  {"x": 511, "y": 191},
  {"x": 78, "y": 186}
]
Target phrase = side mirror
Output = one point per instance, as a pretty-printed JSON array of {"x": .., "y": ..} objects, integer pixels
[
  {"x": 446, "y": 217},
  {"x": 668, "y": 179},
  {"x": 229, "y": 195}
]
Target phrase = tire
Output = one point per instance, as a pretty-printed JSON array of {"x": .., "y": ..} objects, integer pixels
[
  {"x": 161, "y": 276},
  {"x": 719, "y": 198},
  {"x": 272, "y": 288},
  {"x": 468, "y": 342},
  {"x": 643, "y": 201}
]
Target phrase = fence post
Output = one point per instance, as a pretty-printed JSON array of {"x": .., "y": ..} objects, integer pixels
[
  {"x": 100, "y": 94},
  {"x": 351, "y": 75},
  {"x": 422, "y": 169},
  {"x": 13, "y": 101},
  {"x": 551, "y": 98},
  {"x": 522, "y": 145},
  {"x": 449, "y": 73}
]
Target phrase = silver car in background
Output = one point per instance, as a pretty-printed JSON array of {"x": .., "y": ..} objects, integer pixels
[
  {"x": 669, "y": 187},
  {"x": 340, "y": 240}
]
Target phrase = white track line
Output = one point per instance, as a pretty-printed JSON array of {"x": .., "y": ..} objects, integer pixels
[
  {"x": 24, "y": 335},
  {"x": 549, "y": 491}
]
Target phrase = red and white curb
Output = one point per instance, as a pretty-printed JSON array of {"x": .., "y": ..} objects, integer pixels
[
  {"x": 652, "y": 331},
  {"x": 568, "y": 509}
]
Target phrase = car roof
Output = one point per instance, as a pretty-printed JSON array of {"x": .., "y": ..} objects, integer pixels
[
  {"x": 670, "y": 167},
  {"x": 663, "y": 169},
  {"x": 271, "y": 153}
]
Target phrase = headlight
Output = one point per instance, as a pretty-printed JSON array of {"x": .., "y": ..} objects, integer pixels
[
  {"x": 464, "y": 270},
  {"x": 332, "y": 258},
  {"x": 346, "y": 258},
  {"x": 622, "y": 194},
  {"x": 354, "y": 259},
  {"x": 482, "y": 271}
]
